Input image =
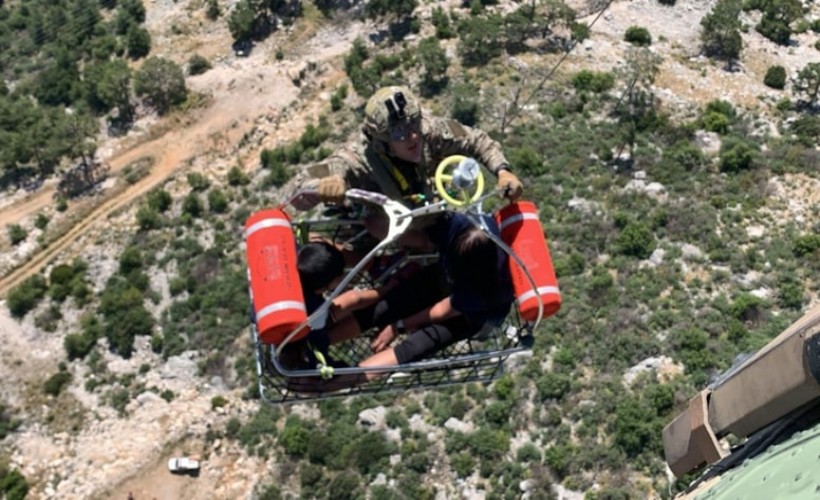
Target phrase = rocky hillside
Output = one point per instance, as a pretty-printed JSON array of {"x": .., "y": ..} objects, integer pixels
[{"x": 726, "y": 251}]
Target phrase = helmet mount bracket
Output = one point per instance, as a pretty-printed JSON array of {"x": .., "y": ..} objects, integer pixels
[{"x": 395, "y": 106}]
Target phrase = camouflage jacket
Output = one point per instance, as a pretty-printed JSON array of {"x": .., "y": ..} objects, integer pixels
[{"x": 368, "y": 166}]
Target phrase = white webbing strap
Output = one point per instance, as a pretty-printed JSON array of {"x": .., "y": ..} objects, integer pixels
[
  {"x": 517, "y": 218},
  {"x": 542, "y": 290},
  {"x": 266, "y": 223},
  {"x": 284, "y": 305}
]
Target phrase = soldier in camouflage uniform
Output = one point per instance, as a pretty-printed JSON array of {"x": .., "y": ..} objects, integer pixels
[{"x": 402, "y": 148}]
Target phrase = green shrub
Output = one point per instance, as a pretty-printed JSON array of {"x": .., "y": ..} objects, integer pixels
[
  {"x": 775, "y": 77},
  {"x": 121, "y": 305},
  {"x": 16, "y": 233},
  {"x": 790, "y": 296},
  {"x": 294, "y": 439},
  {"x": 279, "y": 175},
  {"x": 160, "y": 200},
  {"x": 552, "y": 386},
  {"x": 8, "y": 424},
  {"x": 156, "y": 343},
  {"x": 14, "y": 485},
  {"x": 716, "y": 122},
  {"x": 806, "y": 245},
  {"x": 148, "y": 218},
  {"x": 775, "y": 30},
  {"x": 26, "y": 295},
  {"x": 78, "y": 345},
  {"x": 198, "y": 182},
  {"x": 260, "y": 428},
  {"x": 558, "y": 458},
  {"x": 636, "y": 429},
  {"x": 639, "y": 36},
  {"x": 271, "y": 157},
  {"x": 48, "y": 319},
  {"x": 218, "y": 402},
  {"x": 807, "y": 129},
  {"x": 232, "y": 427},
  {"x": 347, "y": 485},
  {"x": 54, "y": 384},
  {"x": 579, "y": 31},
  {"x": 236, "y": 177},
  {"x": 41, "y": 221},
  {"x": 217, "y": 201},
  {"x": 489, "y": 444},
  {"x": 395, "y": 419},
  {"x": 465, "y": 107},
  {"x": 138, "y": 42},
  {"x": 737, "y": 155},
  {"x": 373, "y": 453},
  {"x": 130, "y": 260},
  {"x": 192, "y": 205},
  {"x": 441, "y": 21},
  {"x": 313, "y": 136},
  {"x": 212, "y": 11},
  {"x": 162, "y": 82},
  {"x": 723, "y": 107},
  {"x": 747, "y": 307},
  {"x": 527, "y": 160},
  {"x": 497, "y": 413},
  {"x": 480, "y": 39},
  {"x": 686, "y": 154},
  {"x": 528, "y": 453},
  {"x": 462, "y": 464},
  {"x": 593, "y": 81},
  {"x": 118, "y": 399},
  {"x": 198, "y": 65},
  {"x": 61, "y": 274},
  {"x": 637, "y": 240}
]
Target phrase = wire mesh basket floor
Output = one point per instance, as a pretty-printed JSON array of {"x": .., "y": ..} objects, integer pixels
[{"x": 473, "y": 360}]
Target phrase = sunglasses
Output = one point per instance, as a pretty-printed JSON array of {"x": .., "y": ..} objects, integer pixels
[{"x": 401, "y": 131}]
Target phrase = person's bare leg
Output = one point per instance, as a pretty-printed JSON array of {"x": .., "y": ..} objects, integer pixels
[{"x": 384, "y": 358}]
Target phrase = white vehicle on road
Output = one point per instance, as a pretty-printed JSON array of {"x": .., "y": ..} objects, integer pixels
[{"x": 183, "y": 464}]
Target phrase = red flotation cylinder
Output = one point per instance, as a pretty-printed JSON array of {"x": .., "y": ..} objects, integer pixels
[
  {"x": 521, "y": 230},
  {"x": 276, "y": 291}
]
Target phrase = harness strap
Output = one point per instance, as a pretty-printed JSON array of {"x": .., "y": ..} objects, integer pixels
[{"x": 404, "y": 184}]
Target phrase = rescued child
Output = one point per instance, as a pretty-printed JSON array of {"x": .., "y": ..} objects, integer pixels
[{"x": 321, "y": 267}]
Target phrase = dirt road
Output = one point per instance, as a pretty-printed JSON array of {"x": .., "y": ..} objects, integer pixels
[{"x": 238, "y": 100}]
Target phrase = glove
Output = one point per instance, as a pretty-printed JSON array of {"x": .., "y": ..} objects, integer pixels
[
  {"x": 332, "y": 189},
  {"x": 512, "y": 186}
]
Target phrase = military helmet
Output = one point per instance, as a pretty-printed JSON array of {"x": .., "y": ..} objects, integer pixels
[{"x": 391, "y": 113}]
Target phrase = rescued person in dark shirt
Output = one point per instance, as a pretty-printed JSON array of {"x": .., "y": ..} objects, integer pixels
[{"x": 468, "y": 289}]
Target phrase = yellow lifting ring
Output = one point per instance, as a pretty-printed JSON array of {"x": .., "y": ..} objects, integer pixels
[{"x": 463, "y": 195}]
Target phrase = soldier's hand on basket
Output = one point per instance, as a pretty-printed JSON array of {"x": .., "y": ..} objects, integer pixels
[
  {"x": 332, "y": 189},
  {"x": 384, "y": 338},
  {"x": 510, "y": 183}
]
